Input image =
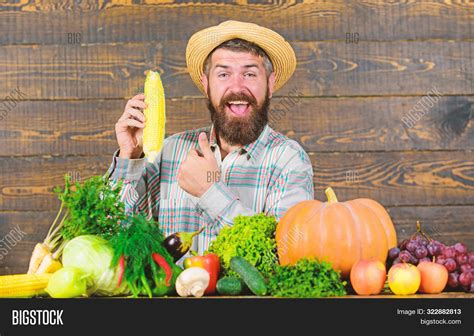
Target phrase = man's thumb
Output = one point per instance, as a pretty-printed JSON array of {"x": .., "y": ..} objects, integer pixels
[{"x": 205, "y": 147}]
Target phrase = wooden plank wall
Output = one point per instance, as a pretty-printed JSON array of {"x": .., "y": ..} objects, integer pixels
[{"x": 68, "y": 67}]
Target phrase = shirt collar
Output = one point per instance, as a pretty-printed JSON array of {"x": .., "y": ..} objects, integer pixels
[{"x": 253, "y": 149}]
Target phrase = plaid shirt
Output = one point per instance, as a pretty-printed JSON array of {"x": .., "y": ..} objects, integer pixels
[{"x": 269, "y": 175}]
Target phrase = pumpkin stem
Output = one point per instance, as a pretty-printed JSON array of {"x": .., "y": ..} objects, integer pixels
[{"x": 331, "y": 195}]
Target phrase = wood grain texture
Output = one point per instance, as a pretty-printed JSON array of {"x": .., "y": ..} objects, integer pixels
[
  {"x": 352, "y": 106},
  {"x": 319, "y": 124},
  {"x": 397, "y": 178},
  {"x": 48, "y": 22},
  {"x": 448, "y": 224},
  {"x": 28, "y": 184},
  {"x": 111, "y": 71}
]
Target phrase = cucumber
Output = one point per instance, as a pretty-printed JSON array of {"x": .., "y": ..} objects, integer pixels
[
  {"x": 250, "y": 275},
  {"x": 229, "y": 286}
]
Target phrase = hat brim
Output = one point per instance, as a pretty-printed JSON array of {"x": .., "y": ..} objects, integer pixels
[{"x": 277, "y": 48}]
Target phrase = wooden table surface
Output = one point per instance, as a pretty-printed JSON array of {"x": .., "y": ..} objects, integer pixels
[{"x": 447, "y": 295}]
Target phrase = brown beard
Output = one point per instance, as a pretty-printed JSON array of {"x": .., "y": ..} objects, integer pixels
[{"x": 239, "y": 131}]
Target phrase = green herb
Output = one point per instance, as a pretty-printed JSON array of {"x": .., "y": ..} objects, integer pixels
[
  {"x": 251, "y": 237},
  {"x": 93, "y": 208},
  {"x": 136, "y": 242},
  {"x": 306, "y": 279}
]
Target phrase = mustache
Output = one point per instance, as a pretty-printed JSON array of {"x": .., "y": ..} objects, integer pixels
[{"x": 251, "y": 100}]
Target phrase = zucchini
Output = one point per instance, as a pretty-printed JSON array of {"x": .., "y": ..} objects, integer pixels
[
  {"x": 229, "y": 286},
  {"x": 250, "y": 275}
]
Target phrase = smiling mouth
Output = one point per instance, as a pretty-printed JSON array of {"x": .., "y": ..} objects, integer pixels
[{"x": 239, "y": 108}]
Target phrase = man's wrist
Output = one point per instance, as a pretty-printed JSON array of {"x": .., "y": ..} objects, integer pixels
[{"x": 130, "y": 156}]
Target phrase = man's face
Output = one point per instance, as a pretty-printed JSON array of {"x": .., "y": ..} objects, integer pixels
[{"x": 238, "y": 95}]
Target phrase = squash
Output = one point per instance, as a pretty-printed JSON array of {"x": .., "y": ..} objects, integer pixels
[{"x": 338, "y": 232}]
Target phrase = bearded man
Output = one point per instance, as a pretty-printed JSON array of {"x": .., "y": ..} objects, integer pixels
[{"x": 238, "y": 165}]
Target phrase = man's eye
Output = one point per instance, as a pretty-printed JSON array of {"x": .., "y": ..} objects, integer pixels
[
  {"x": 249, "y": 74},
  {"x": 222, "y": 75}
]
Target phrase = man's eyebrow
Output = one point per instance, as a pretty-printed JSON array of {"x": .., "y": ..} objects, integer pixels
[
  {"x": 247, "y": 66},
  {"x": 221, "y": 66}
]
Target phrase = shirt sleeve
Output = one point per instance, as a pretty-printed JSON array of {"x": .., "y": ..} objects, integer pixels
[
  {"x": 141, "y": 185},
  {"x": 293, "y": 185}
]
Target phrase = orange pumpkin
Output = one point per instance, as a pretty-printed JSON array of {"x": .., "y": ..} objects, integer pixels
[{"x": 338, "y": 232}]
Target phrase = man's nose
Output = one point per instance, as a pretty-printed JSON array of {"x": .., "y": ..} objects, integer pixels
[{"x": 237, "y": 84}]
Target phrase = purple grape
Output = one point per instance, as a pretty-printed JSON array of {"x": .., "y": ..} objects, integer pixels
[
  {"x": 449, "y": 252},
  {"x": 424, "y": 241},
  {"x": 465, "y": 279},
  {"x": 471, "y": 258},
  {"x": 450, "y": 265},
  {"x": 434, "y": 249},
  {"x": 453, "y": 280},
  {"x": 421, "y": 252},
  {"x": 441, "y": 259},
  {"x": 403, "y": 244},
  {"x": 405, "y": 256},
  {"x": 393, "y": 253},
  {"x": 472, "y": 287},
  {"x": 460, "y": 248},
  {"x": 466, "y": 268},
  {"x": 462, "y": 259},
  {"x": 411, "y": 246},
  {"x": 425, "y": 259}
]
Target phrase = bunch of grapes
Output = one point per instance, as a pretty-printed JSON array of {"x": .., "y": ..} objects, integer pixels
[{"x": 456, "y": 258}]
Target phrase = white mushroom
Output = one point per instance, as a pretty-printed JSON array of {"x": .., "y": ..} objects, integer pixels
[{"x": 192, "y": 281}]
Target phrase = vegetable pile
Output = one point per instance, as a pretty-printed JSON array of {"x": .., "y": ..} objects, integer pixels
[{"x": 103, "y": 247}]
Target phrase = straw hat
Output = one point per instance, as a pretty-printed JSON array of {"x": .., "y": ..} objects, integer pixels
[{"x": 277, "y": 48}]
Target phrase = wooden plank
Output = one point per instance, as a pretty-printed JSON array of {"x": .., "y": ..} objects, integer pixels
[
  {"x": 39, "y": 22},
  {"x": 324, "y": 69},
  {"x": 20, "y": 231},
  {"x": 392, "y": 178},
  {"x": 397, "y": 178},
  {"x": 319, "y": 124},
  {"x": 448, "y": 224},
  {"x": 28, "y": 183}
]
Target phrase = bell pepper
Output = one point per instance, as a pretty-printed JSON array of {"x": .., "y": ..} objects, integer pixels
[
  {"x": 210, "y": 262},
  {"x": 161, "y": 289}
]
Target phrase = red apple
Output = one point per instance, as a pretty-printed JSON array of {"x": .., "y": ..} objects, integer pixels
[
  {"x": 434, "y": 277},
  {"x": 368, "y": 276},
  {"x": 404, "y": 279}
]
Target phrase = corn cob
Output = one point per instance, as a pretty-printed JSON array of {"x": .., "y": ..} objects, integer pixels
[
  {"x": 155, "y": 114},
  {"x": 23, "y": 285}
]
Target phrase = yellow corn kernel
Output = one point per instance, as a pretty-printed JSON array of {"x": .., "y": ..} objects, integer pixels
[
  {"x": 23, "y": 285},
  {"x": 155, "y": 115}
]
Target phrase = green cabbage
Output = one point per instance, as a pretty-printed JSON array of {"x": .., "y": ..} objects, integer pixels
[{"x": 92, "y": 255}]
